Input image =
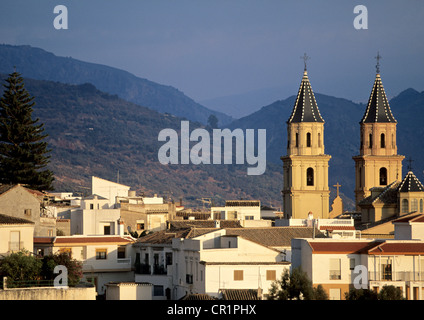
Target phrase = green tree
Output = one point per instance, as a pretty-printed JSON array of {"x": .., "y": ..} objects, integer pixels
[
  {"x": 23, "y": 153},
  {"x": 20, "y": 266},
  {"x": 361, "y": 294},
  {"x": 295, "y": 286},
  {"x": 73, "y": 266},
  {"x": 390, "y": 293}
]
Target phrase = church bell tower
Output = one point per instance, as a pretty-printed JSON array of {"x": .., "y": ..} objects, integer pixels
[
  {"x": 378, "y": 163},
  {"x": 305, "y": 167}
]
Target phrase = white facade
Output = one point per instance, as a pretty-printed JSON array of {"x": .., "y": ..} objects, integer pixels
[
  {"x": 95, "y": 217},
  {"x": 238, "y": 210},
  {"x": 108, "y": 189},
  {"x": 105, "y": 258},
  {"x": 214, "y": 261}
]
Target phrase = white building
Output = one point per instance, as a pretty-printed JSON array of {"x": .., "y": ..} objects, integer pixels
[
  {"x": 399, "y": 262},
  {"x": 205, "y": 261},
  {"x": 108, "y": 189},
  {"x": 248, "y": 212},
  {"x": 105, "y": 258},
  {"x": 96, "y": 217}
]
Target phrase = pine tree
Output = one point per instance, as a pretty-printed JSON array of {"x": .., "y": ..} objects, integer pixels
[{"x": 23, "y": 153}]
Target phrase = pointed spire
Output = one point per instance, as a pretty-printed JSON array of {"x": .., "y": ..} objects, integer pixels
[
  {"x": 305, "y": 108},
  {"x": 410, "y": 183},
  {"x": 378, "y": 109}
]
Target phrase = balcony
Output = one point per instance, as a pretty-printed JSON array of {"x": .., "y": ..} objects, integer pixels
[
  {"x": 396, "y": 276},
  {"x": 142, "y": 268},
  {"x": 335, "y": 275}
]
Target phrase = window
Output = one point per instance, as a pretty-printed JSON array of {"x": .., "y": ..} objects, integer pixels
[
  {"x": 386, "y": 271},
  {"x": 158, "y": 291},
  {"x": 271, "y": 275},
  {"x": 405, "y": 206},
  {"x": 308, "y": 139},
  {"x": 370, "y": 145},
  {"x": 309, "y": 177},
  {"x": 101, "y": 254},
  {"x": 106, "y": 230},
  {"x": 27, "y": 212},
  {"x": 238, "y": 275},
  {"x": 121, "y": 252},
  {"x": 66, "y": 250},
  {"x": 14, "y": 243},
  {"x": 319, "y": 140},
  {"x": 189, "y": 278},
  {"x": 352, "y": 264},
  {"x": 421, "y": 205},
  {"x": 297, "y": 140},
  {"x": 414, "y": 205},
  {"x": 335, "y": 271},
  {"x": 360, "y": 177},
  {"x": 168, "y": 257},
  {"x": 383, "y": 176},
  {"x": 382, "y": 141},
  {"x": 140, "y": 225},
  {"x": 91, "y": 206}
]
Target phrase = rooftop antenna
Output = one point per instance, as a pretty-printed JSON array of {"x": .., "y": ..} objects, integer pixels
[
  {"x": 377, "y": 66},
  {"x": 305, "y": 58}
]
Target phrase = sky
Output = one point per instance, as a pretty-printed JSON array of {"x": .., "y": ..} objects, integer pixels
[{"x": 216, "y": 48}]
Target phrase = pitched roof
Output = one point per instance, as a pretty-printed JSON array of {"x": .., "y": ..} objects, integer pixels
[
  {"x": 197, "y": 297},
  {"x": 398, "y": 248},
  {"x": 378, "y": 109},
  {"x": 388, "y": 195},
  {"x": 410, "y": 184},
  {"x": 242, "y": 203},
  {"x": 274, "y": 236},
  {"x": 166, "y": 236},
  {"x": 183, "y": 224},
  {"x": 92, "y": 239},
  {"x": 417, "y": 217},
  {"x": 239, "y": 294},
  {"x": 349, "y": 247},
  {"x": 305, "y": 108},
  {"x": 4, "y": 219}
]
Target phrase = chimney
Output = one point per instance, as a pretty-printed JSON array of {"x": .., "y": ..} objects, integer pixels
[
  {"x": 120, "y": 227},
  {"x": 217, "y": 224}
]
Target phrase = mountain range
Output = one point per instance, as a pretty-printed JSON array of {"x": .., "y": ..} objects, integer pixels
[
  {"x": 36, "y": 63},
  {"x": 94, "y": 131}
]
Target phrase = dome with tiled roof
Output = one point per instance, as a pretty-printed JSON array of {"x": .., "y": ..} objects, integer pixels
[
  {"x": 305, "y": 108},
  {"x": 410, "y": 184}
]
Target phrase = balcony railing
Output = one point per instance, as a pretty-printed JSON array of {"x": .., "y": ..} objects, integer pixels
[
  {"x": 142, "y": 268},
  {"x": 396, "y": 276}
]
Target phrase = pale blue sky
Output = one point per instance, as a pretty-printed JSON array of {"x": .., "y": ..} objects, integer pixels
[{"x": 213, "y": 48}]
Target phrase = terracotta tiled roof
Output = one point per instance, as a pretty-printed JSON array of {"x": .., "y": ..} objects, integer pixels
[
  {"x": 183, "y": 224},
  {"x": 43, "y": 240},
  {"x": 197, "y": 297},
  {"x": 398, "y": 248},
  {"x": 332, "y": 228},
  {"x": 239, "y": 294},
  {"x": 92, "y": 239},
  {"x": 274, "y": 236},
  {"x": 166, "y": 236},
  {"x": 4, "y": 219},
  {"x": 418, "y": 217},
  {"x": 388, "y": 195},
  {"x": 342, "y": 246}
]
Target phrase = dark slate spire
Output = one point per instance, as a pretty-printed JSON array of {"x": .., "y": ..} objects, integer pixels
[
  {"x": 378, "y": 109},
  {"x": 410, "y": 183},
  {"x": 305, "y": 108}
]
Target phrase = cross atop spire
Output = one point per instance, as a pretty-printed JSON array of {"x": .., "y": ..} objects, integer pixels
[
  {"x": 377, "y": 66},
  {"x": 305, "y": 58},
  {"x": 337, "y": 185}
]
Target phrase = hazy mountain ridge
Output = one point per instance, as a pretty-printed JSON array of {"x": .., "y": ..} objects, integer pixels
[{"x": 39, "y": 64}]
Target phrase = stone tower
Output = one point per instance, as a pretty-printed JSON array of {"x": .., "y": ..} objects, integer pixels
[
  {"x": 378, "y": 163},
  {"x": 305, "y": 166}
]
